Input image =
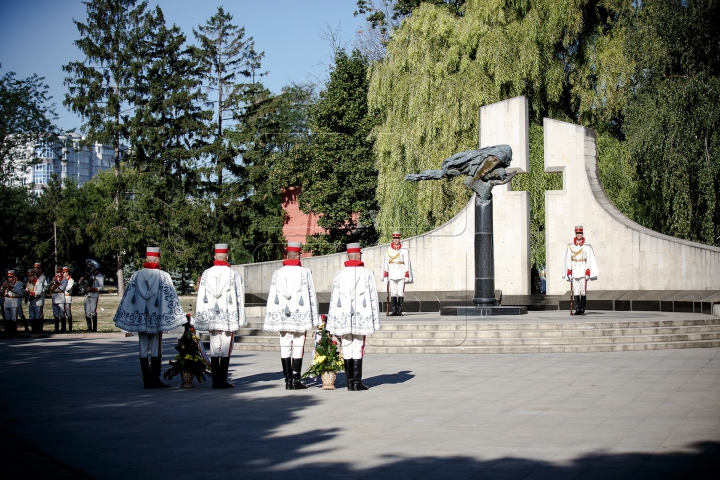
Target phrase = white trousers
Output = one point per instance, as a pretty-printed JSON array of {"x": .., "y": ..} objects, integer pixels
[
  {"x": 150, "y": 344},
  {"x": 11, "y": 313},
  {"x": 58, "y": 310},
  {"x": 353, "y": 346},
  {"x": 579, "y": 286},
  {"x": 91, "y": 300},
  {"x": 221, "y": 343},
  {"x": 292, "y": 344},
  {"x": 397, "y": 288},
  {"x": 35, "y": 309}
]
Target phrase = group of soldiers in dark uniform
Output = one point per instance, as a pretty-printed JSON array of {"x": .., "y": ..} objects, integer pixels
[{"x": 36, "y": 288}]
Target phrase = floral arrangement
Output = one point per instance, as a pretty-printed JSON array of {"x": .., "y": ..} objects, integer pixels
[
  {"x": 327, "y": 357},
  {"x": 189, "y": 358}
]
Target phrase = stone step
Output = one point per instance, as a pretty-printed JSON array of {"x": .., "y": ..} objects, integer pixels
[
  {"x": 503, "y": 349},
  {"x": 435, "y": 342},
  {"x": 454, "y": 334}
]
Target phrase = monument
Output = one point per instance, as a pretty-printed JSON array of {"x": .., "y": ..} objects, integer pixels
[{"x": 483, "y": 169}]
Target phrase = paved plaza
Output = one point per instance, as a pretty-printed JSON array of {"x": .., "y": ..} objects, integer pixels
[{"x": 75, "y": 408}]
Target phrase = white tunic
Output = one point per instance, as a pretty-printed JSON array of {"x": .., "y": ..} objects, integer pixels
[
  {"x": 579, "y": 259},
  {"x": 150, "y": 304},
  {"x": 354, "y": 303},
  {"x": 292, "y": 303},
  {"x": 397, "y": 264},
  {"x": 220, "y": 300},
  {"x": 38, "y": 289}
]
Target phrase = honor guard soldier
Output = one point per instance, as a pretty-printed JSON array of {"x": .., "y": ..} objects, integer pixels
[
  {"x": 292, "y": 310},
  {"x": 57, "y": 289},
  {"x": 14, "y": 293},
  {"x": 35, "y": 292},
  {"x": 37, "y": 266},
  {"x": 68, "y": 297},
  {"x": 149, "y": 307},
  {"x": 221, "y": 311},
  {"x": 354, "y": 313},
  {"x": 580, "y": 266},
  {"x": 396, "y": 273},
  {"x": 94, "y": 282}
]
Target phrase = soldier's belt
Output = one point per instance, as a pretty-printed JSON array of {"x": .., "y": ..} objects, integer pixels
[
  {"x": 396, "y": 263},
  {"x": 14, "y": 296}
]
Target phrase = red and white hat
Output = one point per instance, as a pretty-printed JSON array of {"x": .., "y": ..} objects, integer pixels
[
  {"x": 11, "y": 273},
  {"x": 31, "y": 271},
  {"x": 65, "y": 269},
  {"x": 578, "y": 229},
  {"x": 294, "y": 246},
  {"x": 152, "y": 252},
  {"x": 353, "y": 248},
  {"x": 396, "y": 234},
  {"x": 37, "y": 265},
  {"x": 221, "y": 248}
]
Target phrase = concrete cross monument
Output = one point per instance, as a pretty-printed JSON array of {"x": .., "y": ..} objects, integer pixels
[{"x": 483, "y": 169}]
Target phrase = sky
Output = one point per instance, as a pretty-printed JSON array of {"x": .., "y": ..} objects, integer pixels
[{"x": 36, "y": 36}]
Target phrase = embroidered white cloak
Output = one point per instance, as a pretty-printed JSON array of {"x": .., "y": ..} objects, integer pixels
[
  {"x": 220, "y": 300},
  {"x": 354, "y": 303},
  {"x": 292, "y": 304},
  {"x": 150, "y": 304}
]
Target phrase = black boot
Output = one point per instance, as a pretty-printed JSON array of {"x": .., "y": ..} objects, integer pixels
[
  {"x": 296, "y": 384},
  {"x": 57, "y": 325},
  {"x": 577, "y": 305},
  {"x": 215, "y": 371},
  {"x": 357, "y": 375},
  {"x": 89, "y": 323},
  {"x": 287, "y": 371},
  {"x": 145, "y": 368},
  {"x": 155, "y": 364},
  {"x": 94, "y": 323},
  {"x": 393, "y": 306},
  {"x": 400, "y": 302},
  {"x": 582, "y": 304},
  {"x": 224, "y": 367},
  {"x": 349, "y": 375},
  {"x": 62, "y": 321},
  {"x": 70, "y": 323},
  {"x": 25, "y": 322}
]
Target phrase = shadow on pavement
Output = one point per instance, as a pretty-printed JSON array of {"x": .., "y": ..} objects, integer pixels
[{"x": 67, "y": 400}]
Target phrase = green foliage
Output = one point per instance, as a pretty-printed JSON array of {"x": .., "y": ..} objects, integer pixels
[
  {"x": 335, "y": 167},
  {"x": 441, "y": 68},
  {"x": 25, "y": 118},
  {"x": 616, "y": 173},
  {"x": 536, "y": 182},
  {"x": 673, "y": 121},
  {"x": 16, "y": 224}
]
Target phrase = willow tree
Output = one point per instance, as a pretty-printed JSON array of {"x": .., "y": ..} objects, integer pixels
[{"x": 440, "y": 68}]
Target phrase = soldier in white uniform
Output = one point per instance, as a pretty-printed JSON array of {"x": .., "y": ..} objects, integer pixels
[
  {"x": 34, "y": 288},
  {"x": 149, "y": 307},
  {"x": 95, "y": 283},
  {"x": 14, "y": 293},
  {"x": 292, "y": 310},
  {"x": 397, "y": 272},
  {"x": 68, "y": 297},
  {"x": 57, "y": 289},
  {"x": 37, "y": 266},
  {"x": 354, "y": 313},
  {"x": 221, "y": 311},
  {"x": 580, "y": 266}
]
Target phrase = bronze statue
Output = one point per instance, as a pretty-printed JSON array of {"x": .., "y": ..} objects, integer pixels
[{"x": 484, "y": 168}]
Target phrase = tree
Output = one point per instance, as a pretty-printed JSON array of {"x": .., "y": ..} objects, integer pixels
[
  {"x": 672, "y": 123},
  {"x": 19, "y": 214},
  {"x": 335, "y": 168},
  {"x": 103, "y": 89},
  {"x": 442, "y": 66},
  {"x": 25, "y": 118},
  {"x": 225, "y": 56}
]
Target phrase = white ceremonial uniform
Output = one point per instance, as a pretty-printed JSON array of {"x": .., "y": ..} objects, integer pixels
[
  {"x": 220, "y": 307},
  {"x": 397, "y": 269},
  {"x": 353, "y": 308},
  {"x": 91, "y": 298},
  {"x": 58, "y": 299},
  {"x": 149, "y": 307},
  {"x": 36, "y": 301},
  {"x": 580, "y": 261},
  {"x": 292, "y": 308},
  {"x": 68, "y": 290},
  {"x": 13, "y": 301}
]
